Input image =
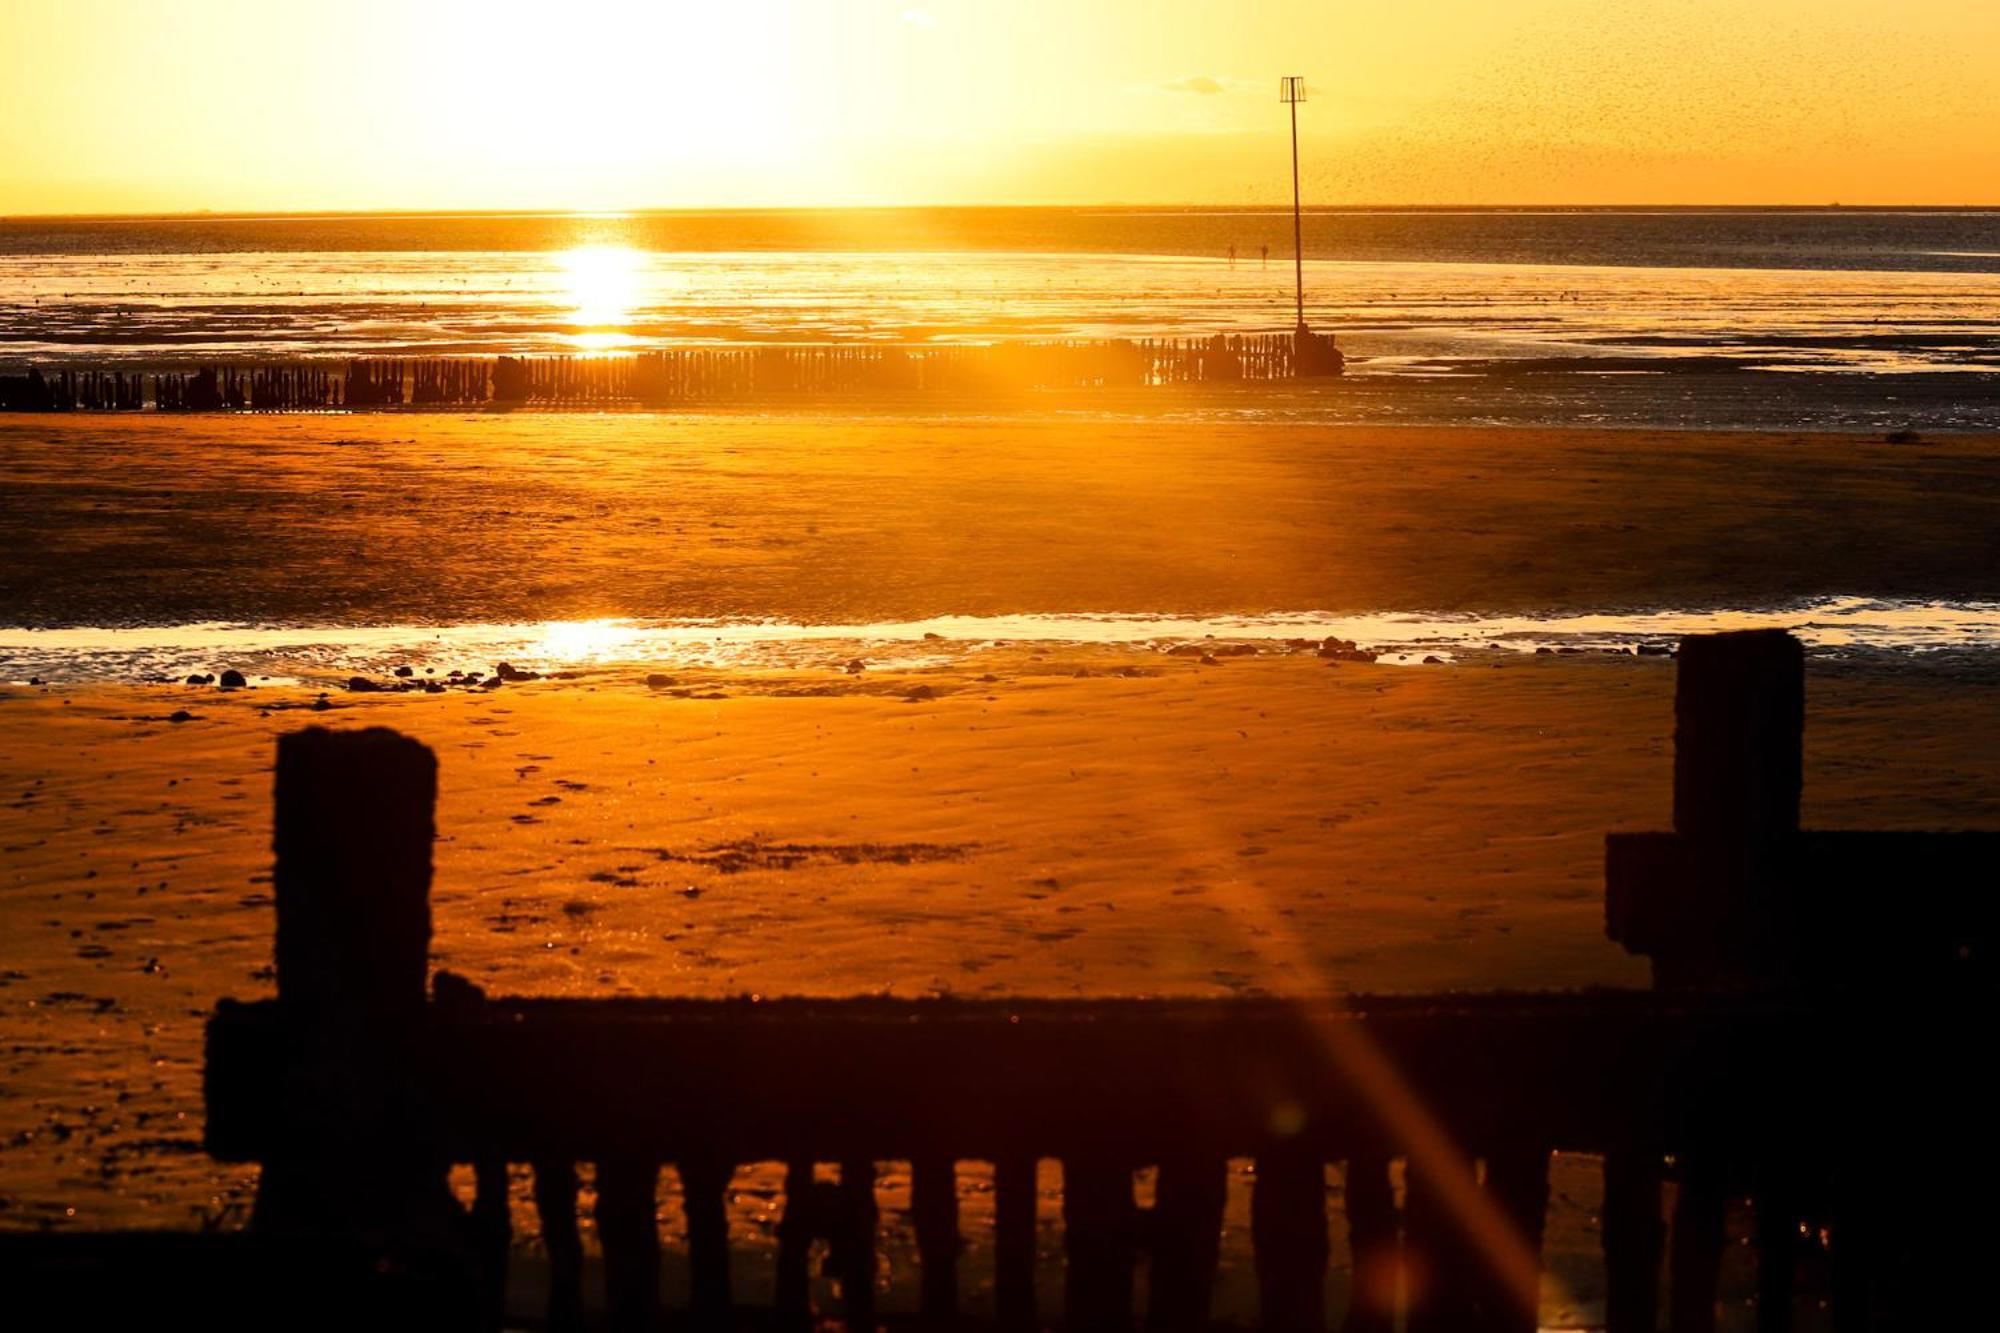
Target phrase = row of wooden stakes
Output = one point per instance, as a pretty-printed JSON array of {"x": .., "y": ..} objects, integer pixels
[{"x": 677, "y": 374}]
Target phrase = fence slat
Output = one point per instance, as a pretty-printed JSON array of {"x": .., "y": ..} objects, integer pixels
[
  {"x": 934, "y": 1205},
  {"x": 1695, "y": 1262},
  {"x": 1777, "y": 1244},
  {"x": 854, "y": 1244},
  {"x": 1014, "y": 1223},
  {"x": 1445, "y": 1269},
  {"x": 1517, "y": 1178},
  {"x": 1187, "y": 1240},
  {"x": 1633, "y": 1240},
  {"x": 1098, "y": 1245},
  {"x": 1289, "y": 1233},
  {"x": 555, "y": 1205},
  {"x": 628, "y": 1226},
  {"x": 791, "y": 1296},
  {"x": 493, "y": 1228},
  {"x": 704, "y": 1182},
  {"x": 1374, "y": 1249}
]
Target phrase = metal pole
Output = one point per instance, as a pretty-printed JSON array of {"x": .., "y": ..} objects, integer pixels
[
  {"x": 1298, "y": 249},
  {"x": 1292, "y": 91}
]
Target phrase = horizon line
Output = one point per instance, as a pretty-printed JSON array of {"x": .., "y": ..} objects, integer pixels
[{"x": 284, "y": 215}]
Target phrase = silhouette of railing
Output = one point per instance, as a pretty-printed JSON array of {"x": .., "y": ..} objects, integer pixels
[
  {"x": 672, "y": 376},
  {"x": 1757, "y": 1067}
]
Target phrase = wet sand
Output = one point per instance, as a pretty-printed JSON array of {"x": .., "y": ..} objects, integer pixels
[{"x": 855, "y": 518}]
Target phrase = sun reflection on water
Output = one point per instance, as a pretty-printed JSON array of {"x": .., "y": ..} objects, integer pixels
[
  {"x": 576, "y": 641},
  {"x": 601, "y": 285}
]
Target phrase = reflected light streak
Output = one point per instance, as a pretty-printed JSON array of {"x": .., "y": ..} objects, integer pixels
[{"x": 1435, "y": 1159}]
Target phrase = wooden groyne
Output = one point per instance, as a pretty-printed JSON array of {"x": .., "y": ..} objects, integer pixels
[
  {"x": 1810, "y": 1046},
  {"x": 666, "y": 377}
]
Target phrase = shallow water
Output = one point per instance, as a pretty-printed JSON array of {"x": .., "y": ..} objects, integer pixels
[
  {"x": 335, "y": 652},
  {"x": 1400, "y": 318}
]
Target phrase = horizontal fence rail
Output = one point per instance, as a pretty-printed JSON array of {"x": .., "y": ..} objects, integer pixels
[
  {"x": 1731, "y": 1089},
  {"x": 674, "y": 375}
]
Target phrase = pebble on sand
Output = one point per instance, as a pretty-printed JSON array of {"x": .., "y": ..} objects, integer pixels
[{"x": 231, "y": 679}]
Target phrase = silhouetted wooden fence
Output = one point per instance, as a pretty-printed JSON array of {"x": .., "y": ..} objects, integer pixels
[
  {"x": 677, "y": 375},
  {"x": 1772, "y": 1061}
]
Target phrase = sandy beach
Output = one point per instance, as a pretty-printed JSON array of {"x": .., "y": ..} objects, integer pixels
[
  {"x": 1033, "y": 819},
  {"x": 1272, "y": 823}
]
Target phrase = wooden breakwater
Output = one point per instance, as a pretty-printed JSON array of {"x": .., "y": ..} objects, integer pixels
[
  {"x": 666, "y": 377},
  {"x": 1810, "y": 1047}
]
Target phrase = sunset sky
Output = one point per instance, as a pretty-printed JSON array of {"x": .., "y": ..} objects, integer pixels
[{"x": 122, "y": 106}]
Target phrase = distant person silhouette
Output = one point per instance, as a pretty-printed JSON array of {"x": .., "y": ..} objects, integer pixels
[
  {"x": 1232, "y": 256},
  {"x": 1263, "y": 256}
]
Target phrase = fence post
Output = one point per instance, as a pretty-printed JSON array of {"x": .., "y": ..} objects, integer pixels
[
  {"x": 353, "y": 833},
  {"x": 1739, "y": 732},
  {"x": 354, "y": 1167}
]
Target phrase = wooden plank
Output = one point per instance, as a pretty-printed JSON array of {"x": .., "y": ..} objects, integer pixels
[
  {"x": 627, "y": 1224},
  {"x": 1186, "y": 1235},
  {"x": 786, "y": 1080},
  {"x": 1374, "y": 1246},
  {"x": 854, "y": 1244},
  {"x": 934, "y": 1209},
  {"x": 1826, "y": 897},
  {"x": 1694, "y": 1262},
  {"x": 1015, "y": 1201},
  {"x": 1634, "y": 1239},
  {"x": 704, "y": 1181},
  {"x": 1288, "y": 1229},
  {"x": 798, "y": 1226},
  {"x": 1098, "y": 1237},
  {"x": 555, "y": 1206}
]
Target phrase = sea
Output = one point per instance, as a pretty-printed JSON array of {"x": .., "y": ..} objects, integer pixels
[{"x": 1834, "y": 318}]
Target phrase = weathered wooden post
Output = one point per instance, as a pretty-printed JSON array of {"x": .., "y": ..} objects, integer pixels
[
  {"x": 1703, "y": 902},
  {"x": 353, "y": 835},
  {"x": 352, "y": 1165},
  {"x": 1708, "y": 905}
]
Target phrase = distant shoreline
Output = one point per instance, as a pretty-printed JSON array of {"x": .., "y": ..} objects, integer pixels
[{"x": 1164, "y": 209}]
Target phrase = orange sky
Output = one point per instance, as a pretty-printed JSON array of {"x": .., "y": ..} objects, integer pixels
[{"x": 132, "y": 105}]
